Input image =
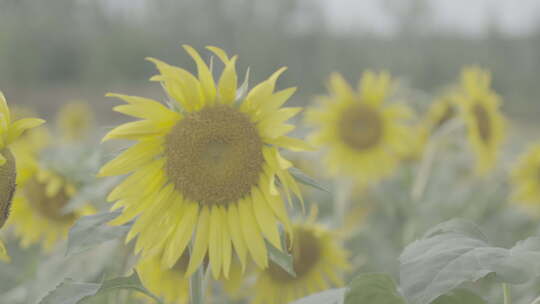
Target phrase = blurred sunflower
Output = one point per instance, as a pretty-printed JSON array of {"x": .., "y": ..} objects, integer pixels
[
  {"x": 485, "y": 123},
  {"x": 75, "y": 120},
  {"x": 206, "y": 169},
  {"x": 526, "y": 177},
  {"x": 364, "y": 136},
  {"x": 37, "y": 215},
  {"x": 319, "y": 263},
  {"x": 440, "y": 112},
  {"x": 172, "y": 284},
  {"x": 169, "y": 283},
  {"x": 10, "y": 130}
]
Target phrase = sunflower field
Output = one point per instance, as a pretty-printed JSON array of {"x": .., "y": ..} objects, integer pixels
[{"x": 143, "y": 161}]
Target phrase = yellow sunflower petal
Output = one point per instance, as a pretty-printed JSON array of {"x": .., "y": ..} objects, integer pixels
[
  {"x": 201, "y": 242},
  {"x": 205, "y": 75},
  {"x": 252, "y": 234},
  {"x": 21, "y": 125}
]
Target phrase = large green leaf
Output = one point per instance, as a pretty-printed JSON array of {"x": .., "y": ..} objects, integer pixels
[
  {"x": 90, "y": 231},
  {"x": 456, "y": 252},
  {"x": 373, "y": 288},
  {"x": 70, "y": 292},
  {"x": 460, "y": 296},
  {"x": 331, "y": 296}
]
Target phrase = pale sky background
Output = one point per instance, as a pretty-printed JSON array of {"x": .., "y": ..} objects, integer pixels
[
  {"x": 462, "y": 16},
  {"x": 469, "y": 17}
]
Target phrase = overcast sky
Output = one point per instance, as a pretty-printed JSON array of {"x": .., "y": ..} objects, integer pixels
[{"x": 464, "y": 16}]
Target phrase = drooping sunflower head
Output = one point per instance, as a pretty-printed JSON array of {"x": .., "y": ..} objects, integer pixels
[
  {"x": 440, "y": 112},
  {"x": 319, "y": 263},
  {"x": 363, "y": 133},
  {"x": 526, "y": 178},
  {"x": 205, "y": 169},
  {"x": 10, "y": 130},
  {"x": 75, "y": 120},
  {"x": 481, "y": 109}
]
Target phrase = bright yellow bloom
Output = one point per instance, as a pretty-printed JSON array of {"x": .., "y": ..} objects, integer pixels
[
  {"x": 319, "y": 263},
  {"x": 75, "y": 120},
  {"x": 205, "y": 169},
  {"x": 10, "y": 130},
  {"x": 485, "y": 123},
  {"x": 526, "y": 178},
  {"x": 364, "y": 136}
]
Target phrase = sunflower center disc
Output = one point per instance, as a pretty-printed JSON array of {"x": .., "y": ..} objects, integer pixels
[
  {"x": 46, "y": 206},
  {"x": 483, "y": 122},
  {"x": 361, "y": 127},
  {"x": 306, "y": 253},
  {"x": 214, "y": 156},
  {"x": 8, "y": 175}
]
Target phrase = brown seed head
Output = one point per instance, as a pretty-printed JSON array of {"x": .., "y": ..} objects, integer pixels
[
  {"x": 8, "y": 177},
  {"x": 214, "y": 156},
  {"x": 361, "y": 127}
]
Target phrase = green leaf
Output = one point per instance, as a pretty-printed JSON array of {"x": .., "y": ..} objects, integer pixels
[
  {"x": 280, "y": 258},
  {"x": 90, "y": 231},
  {"x": 373, "y": 288},
  {"x": 70, "y": 292},
  {"x": 306, "y": 180},
  {"x": 460, "y": 296},
  {"x": 93, "y": 192},
  {"x": 331, "y": 296},
  {"x": 456, "y": 252},
  {"x": 132, "y": 282}
]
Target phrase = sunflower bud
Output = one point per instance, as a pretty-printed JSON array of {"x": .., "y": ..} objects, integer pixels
[{"x": 8, "y": 175}]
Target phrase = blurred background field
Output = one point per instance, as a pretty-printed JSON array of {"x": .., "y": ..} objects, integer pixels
[{"x": 62, "y": 49}]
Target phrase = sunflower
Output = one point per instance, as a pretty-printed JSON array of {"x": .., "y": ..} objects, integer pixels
[
  {"x": 172, "y": 284},
  {"x": 205, "y": 169},
  {"x": 38, "y": 215},
  {"x": 440, "y": 112},
  {"x": 526, "y": 177},
  {"x": 364, "y": 136},
  {"x": 9, "y": 132},
  {"x": 75, "y": 120},
  {"x": 169, "y": 283},
  {"x": 319, "y": 263},
  {"x": 485, "y": 123}
]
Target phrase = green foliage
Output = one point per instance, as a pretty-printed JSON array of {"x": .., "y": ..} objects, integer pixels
[
  {"x": 70, "y": 292},
  {"x": 373, "y": 288},
  {"x": 280, "y": 258},
  {"x": 306, "y": 180},
  {"x": 460, "y": 296},
  {"x": 332, "y": 296},
  {"x": 456, "y": 252},
  {"x": 92, "y": 230}
]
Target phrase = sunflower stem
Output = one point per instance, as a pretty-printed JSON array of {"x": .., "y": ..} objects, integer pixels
[
  {"x": 196, "y": 286},
  {"x": 506, "y": 294},
  {"x": 342, "y": 194}
]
